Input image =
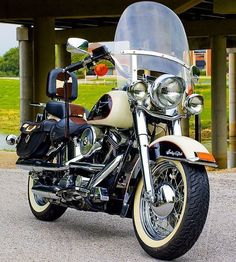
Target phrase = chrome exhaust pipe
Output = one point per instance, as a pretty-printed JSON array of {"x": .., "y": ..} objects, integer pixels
[
  {"x": 46, "y": 191},
  {"x": 40, "y": 168},
  {"x": 39, "y": 165}
]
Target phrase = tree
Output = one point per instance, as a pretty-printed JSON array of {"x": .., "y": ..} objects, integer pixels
[{"x": 9, "y": 63}]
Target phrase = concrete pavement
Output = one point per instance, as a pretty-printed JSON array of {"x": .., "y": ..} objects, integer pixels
[{"x": 84, "y": 236}]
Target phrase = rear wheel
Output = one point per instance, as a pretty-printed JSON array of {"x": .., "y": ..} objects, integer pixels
[
  {"x": 41, "y": 208},
  {"x": 169, "y": 228}
]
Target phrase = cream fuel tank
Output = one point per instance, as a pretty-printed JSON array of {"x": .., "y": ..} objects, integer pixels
[{"x": 112, "y": 109}]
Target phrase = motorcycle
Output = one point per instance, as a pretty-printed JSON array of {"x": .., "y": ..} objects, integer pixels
[{"x": 127, "y": 156}]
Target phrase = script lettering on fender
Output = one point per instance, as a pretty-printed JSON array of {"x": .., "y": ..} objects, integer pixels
[{"x": 172, "y": 153}]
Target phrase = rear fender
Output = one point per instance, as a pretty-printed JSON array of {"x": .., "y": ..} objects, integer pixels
[{"x": 181, "y": 148}]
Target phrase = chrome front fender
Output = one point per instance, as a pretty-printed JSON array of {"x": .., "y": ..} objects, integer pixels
[{"x": 181, "y": 148}]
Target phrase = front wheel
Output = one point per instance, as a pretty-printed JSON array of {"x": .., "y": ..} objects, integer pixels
[
  {"x": 41, "y": 208},
  {"x": 169, "y": 227}
]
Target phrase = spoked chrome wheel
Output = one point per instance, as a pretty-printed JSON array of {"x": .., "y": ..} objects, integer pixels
[
  {"x": 160, "y": 219},
  {"x": 168, "y": 228}
]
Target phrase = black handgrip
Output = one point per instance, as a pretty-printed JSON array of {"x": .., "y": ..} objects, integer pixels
[{"x": 75, "y": 66}]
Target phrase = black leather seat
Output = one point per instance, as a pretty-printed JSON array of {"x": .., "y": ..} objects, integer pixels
[{"x": 56, "y": 108}]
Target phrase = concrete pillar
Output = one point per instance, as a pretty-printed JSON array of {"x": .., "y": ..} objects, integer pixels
[
  {"x": 26, "y": 73},
  {"x": 44, "y": 55},
  {"x": 218, "y": 99},
  {"x": 208, "y": 62},
  {"x": 63, "y": 58},
  {"x": 192, "y": 57},
  {"x": 232, "y": 108}
]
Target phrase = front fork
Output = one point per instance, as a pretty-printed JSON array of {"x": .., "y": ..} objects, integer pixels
[{"x": 142, "y": 137}]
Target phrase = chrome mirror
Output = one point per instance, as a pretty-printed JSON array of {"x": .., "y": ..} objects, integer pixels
[
  {"x": 77, "y": 45},
  {"x": 195, "y": 73}
]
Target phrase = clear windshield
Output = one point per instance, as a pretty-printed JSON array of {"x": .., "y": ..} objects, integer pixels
[{"x": 149, "y": 26}]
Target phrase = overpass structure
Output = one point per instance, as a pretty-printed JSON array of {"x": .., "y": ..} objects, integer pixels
[{"x": 46, "y": 23}]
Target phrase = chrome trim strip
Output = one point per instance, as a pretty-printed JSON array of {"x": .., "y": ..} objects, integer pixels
[
  {"x": 196, "y": 162},
  {"x": 152, "y": 53},
  {"x": 164, "y": 117}
]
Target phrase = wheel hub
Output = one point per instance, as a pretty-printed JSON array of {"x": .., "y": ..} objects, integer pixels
[{"x": 165, "y": 201}]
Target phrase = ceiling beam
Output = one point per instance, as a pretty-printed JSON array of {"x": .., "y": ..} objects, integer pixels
[
  {"x": 102, "y": 34},
  {"x": 72, "y": 8},
  {"x": 224, "y": 6},
  {"x": 194, "y": 29},
  {"x": 205, "y": 43},
  {"x": 205, "y": 28},
  {"x": 95, "y": 34},
  {"x": 184, "y": 5},
  {"x": 199, "y": 43},
  {"x": 24, "y": 9}
]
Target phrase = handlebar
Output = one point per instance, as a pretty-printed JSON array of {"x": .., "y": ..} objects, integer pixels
[{"x": 98, "y": 53}]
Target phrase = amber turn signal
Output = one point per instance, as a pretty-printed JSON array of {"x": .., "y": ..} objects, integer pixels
[
  {"x": 205, "y": 156},
  {"x": 100, "y": 69}
]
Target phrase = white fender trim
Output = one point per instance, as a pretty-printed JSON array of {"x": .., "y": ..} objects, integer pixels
[{"x": 192, "y": 149}]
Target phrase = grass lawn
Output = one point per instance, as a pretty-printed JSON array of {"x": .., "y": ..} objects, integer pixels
[
  {"x": 88, "y": 95},
  {"x": 9, "y": 105}
]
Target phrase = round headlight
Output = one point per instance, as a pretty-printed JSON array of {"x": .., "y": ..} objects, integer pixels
[
  {"x": 194, "y": 104},
  {"x": 167, "y": 91},
  {"x": 138, "y": 90}
]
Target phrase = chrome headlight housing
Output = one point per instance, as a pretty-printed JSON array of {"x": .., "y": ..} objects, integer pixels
[
  {"x": 167, "y": 91},
  {"x": 194, "y": 104},
  {"x": 138, "y": 90}
]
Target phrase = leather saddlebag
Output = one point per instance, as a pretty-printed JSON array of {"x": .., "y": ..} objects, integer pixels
[{"x": 34, "y": 141}]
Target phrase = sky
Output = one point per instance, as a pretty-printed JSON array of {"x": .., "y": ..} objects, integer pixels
[{"x": 8, "y": 37}]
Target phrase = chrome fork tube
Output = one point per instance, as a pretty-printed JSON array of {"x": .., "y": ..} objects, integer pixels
[
  {"x": 177, "y": 128},
  {"x": 142, "y": 137}
]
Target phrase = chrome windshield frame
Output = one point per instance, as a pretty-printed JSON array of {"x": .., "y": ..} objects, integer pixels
[{"x": 153, "y": 53}]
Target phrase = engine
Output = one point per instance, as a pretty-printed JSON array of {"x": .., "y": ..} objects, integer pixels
[{"x": 108, "y": 141}]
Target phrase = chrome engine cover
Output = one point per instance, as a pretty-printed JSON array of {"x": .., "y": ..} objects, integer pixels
[{"x": 89, "y": 140}]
